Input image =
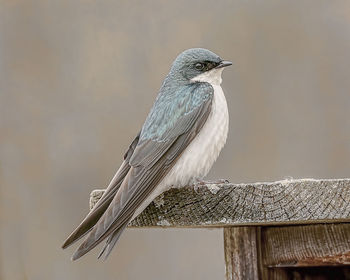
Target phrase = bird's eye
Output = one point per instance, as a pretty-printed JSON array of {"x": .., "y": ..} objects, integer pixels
[{"x": 199, "y": 66}]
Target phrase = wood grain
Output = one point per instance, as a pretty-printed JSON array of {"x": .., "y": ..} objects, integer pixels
[
  {"x": 301, "y": 201},
  {"x": 306, "y": 252},
  {"x": 309, "y": 245},
  {"x": 288, "y": 252},
  {"x": 242, "y": 252},
  {"x": 290, "y": 229}
]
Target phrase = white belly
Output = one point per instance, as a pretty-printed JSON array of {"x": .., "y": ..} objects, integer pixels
[
  {"x": 201, "y": 153},
  {"x": 199, "y": 156}
]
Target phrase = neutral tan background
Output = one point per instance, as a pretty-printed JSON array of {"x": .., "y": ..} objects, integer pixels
[{"x": 77, "y": 79}]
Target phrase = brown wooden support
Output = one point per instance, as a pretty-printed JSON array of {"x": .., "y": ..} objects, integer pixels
[
  {"x": 288, "y": 252},
  {"x": 242, "y": 252}
]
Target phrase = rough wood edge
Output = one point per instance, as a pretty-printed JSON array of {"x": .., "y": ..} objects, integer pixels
[{"x": 302, "y": 201}]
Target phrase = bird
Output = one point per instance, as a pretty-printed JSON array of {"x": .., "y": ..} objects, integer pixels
[{"x": 177, "y": 145}]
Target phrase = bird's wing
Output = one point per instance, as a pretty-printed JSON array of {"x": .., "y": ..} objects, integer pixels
[
  {"x": 100, "y": 207},
  {"x": 152, "y": 159}
]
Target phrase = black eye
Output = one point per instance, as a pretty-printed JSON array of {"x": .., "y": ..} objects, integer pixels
[{"x": 199, "y": 66}]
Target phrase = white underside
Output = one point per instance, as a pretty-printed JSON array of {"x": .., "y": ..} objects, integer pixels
[{"x": 200, "y": 155}]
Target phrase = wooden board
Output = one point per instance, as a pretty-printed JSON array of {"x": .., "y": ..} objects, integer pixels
[{"x": 301, "y": 201}]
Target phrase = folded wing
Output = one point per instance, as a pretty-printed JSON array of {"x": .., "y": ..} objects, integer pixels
[
  {"x": 95, "y": 214},
  {"x": 168, "y": 130}
]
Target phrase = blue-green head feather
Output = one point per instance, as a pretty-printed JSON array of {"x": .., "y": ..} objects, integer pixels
[
  {"x": 179, "y": 95},
  {"x": 193, "y": 62}
]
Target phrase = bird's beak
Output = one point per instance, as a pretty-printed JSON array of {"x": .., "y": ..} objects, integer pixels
[{"x": 224, "y": 63}]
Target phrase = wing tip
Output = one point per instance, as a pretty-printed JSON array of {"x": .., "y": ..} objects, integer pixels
[
  {"x": 66, "y": 243},
  {"x": 72, "y": 238},
  {"x": 77, "y": 234},
  {"x": 81, "y": 251},
  {"x": 74, "y": 257}
]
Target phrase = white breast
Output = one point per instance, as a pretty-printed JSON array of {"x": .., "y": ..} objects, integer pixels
[{"x": 199, "y": 156}]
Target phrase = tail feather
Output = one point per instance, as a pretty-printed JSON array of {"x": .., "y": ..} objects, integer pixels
[
  {"x": 95, "y": 214},
  {"x": 92, "y": 219},
  {"x": 91, "y": 242},
  {"x": 110, "y": 243}
]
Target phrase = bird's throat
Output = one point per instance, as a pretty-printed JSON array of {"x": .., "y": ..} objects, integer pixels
[{"x": 212, "y": 77}]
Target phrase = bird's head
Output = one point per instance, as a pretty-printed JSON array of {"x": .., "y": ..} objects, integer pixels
[{"x": 199, "y": 65}]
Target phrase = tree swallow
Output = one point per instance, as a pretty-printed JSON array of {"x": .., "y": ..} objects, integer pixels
[{"x": 177, "y": 145}]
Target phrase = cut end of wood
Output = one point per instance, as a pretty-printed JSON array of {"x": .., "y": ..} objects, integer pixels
[
  {"x": 95, "y": 196},
  {"x": 289, "y": 201}
]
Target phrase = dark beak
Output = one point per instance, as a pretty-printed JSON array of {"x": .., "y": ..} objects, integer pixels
[{"x": 224, "y": 63}]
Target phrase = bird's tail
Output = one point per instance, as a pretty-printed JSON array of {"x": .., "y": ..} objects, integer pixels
[
  {"x": 92, "y": 241},
  {"x": 110, "y": 243}
]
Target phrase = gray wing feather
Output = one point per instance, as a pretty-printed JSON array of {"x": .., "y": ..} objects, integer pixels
[
  {"x": 150, "y": 162},
  {"x": 94, "y": 215}
]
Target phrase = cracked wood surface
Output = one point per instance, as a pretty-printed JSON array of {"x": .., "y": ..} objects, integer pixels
[{"x": 219, "y": 205}]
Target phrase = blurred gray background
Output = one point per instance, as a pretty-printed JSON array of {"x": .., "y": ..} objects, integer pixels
[{"x": 77, "y": 79}]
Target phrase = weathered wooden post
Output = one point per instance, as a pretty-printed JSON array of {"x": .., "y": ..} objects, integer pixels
[{"x": 290, "y": 229}]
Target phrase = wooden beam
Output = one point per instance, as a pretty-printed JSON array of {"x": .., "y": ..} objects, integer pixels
[
  {"x": 242, "y": 253},
  {"x": 306, "y": 245},
  {"x": 320, "y": 251},
  {"x": 303, "y": 201}
]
